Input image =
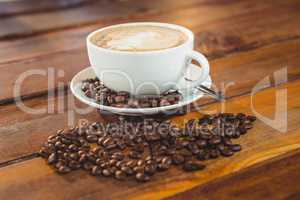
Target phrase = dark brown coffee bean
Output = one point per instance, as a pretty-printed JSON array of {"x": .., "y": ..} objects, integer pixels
[
  {"x": 96, "y": 170},
  {"x": 192, "y": 166},
  {"x": 202, "y": 155},
  {"x": 63, "y": 170},
  {"x": 137, "y": 169},
  {"x": 135, "y": 155},
  {"x": 140, "y": 162},
  {"x": 214, "y": 140},
  {"x": 120, "y": 175},
  {"x": 131, "y": 163},
  {"x": 73, "y": 147},
  {"x": 87, "y": 166},
  {"x": 74, "y": 165},
  {"x": 52, "y": 158},
  {"x": 235, "y": 147},
  {"x": 141, "y": 177},
  {"x": 213, "y": 153},
  {"x": 201, "y": 143},
  {"x": 92, "y": 138},
  {"x": 251, "y": 118},
  {"x": 106, "y": 172},
  {"x": 177, "y": 159},
  {"x": 127, "y": 170},
  {"x": 83, "y": 158},
  {"x": 44, "y": 153},
  {"x": 248, "y": 126},
  {"x": 150, "y": 169},
  {"x": 120, "y": 99},
  {"x": 227, "y": 152}
]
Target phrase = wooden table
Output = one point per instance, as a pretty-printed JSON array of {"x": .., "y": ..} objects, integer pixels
[{"x": 246, "y": 42}]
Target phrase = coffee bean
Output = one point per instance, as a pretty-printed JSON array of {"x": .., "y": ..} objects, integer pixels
[
  {"x": 122, "y": 155},
  {"x": 214, "y": 140},
  {"x": 251, "y": 118},
  {"x": 192, "y": 166},
  {"x": 52, "y": 158},
  {"x": 227, "y": 152},
  {"x": 235, "y": 147},
  {"x": 63, "y": 170},
  {"x": 127, "y": 170},
  {"x": 177, "y": 159},
  {"x": 106, "y": 172},
  {"x": 142, "y": 177},
  {"x": 150, "y": 169},
  {"x": 96, "y": 170},
  {"x": 213, "y": 153},
  {"x": 92, "y": 138},
  {"x": 134, "y": 155},
  {"x": 120, "y": 175},
  {"x": 202, "y": 155}
]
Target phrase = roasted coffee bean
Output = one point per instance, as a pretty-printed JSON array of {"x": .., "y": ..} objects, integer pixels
[
  {"x": 227, "y": 152},
  {"x": 140, "y": 162},
  {"x": 87, "y": 166},
  {"x": 74, "y": 165},
  {"x": 52, "y": 158},
  {"x": 63, "y": 170},
  {"x": 103, "y": 95},
  {"x": 120, "y": 175},
  {"x": 202, "y": 155},
  {"x": 131, "y": 163},
  {"x": 213, "y": 153},
  {"x": 242, "y": 130},
  {"x": 122, "y": 155},
  {"x": 142, "y": 177},
  {"x": 135, "y": 155},
  {"x": 44, "y": 153},
  {"x": 150, "y": 169},
  {"x": 73, "y": 147},
  {"x": 127, "y": 170},
  {"x": 214, "y": 140},
  {"x": 192, "y": 166},
  {"x": 235, "y": 147},
  {"x": 96, "y": 170},
  {"x": 83, "y": 158},
  {"x": 138, "y": 169},
  {"x": 201, "y": 143},
  {"x": 251, "y": 118},
  {"x": 177, "y": 159},
  {"x": 92, "y": 138}
]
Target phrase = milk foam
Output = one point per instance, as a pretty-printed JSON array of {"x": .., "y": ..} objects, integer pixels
[{"x": 140, "y": 38}]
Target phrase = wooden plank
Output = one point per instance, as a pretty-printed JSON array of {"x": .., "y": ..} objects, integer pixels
[
  {"x": 33, "y": 179},
  {"x": 274, "y": 179},
  {"x": 15, "y": 125},
  {"x": 9, "y": 8},
  {"x": 220, "y": 32},
  {"x": 217, "y": 36},
  {"x": 271, "y": 58},
  {"x": 25, "y": 25}
]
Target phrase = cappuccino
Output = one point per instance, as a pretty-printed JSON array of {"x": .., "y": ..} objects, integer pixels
[{"x": 139, "y": 38}]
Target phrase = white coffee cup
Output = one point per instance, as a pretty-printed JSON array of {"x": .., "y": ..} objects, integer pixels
[{"x": 146, "y": 72}]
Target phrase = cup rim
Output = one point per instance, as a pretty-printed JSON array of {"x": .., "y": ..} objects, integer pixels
[{"x": 189, "y": 33}]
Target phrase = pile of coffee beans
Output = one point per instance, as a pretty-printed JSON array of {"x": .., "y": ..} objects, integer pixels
[
  {"x": 95, "y": 89},
  {"x": 140, "y": 148}
]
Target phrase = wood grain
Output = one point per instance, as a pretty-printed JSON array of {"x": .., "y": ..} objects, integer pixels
[
  {"x": 275, "y": 179},
  {"x": 33, "y": 179},
  {"x": 26, "y": 25},
  {"x": 262, "y": 62},
  {"x": 221, "y": 32},
  {"x": 11, "y": 8}
]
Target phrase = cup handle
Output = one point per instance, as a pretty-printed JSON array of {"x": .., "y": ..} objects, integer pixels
[{"x": 203, "y": 62}]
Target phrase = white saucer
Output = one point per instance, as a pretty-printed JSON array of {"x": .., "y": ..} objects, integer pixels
[{"x": 187, "y": 97}]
